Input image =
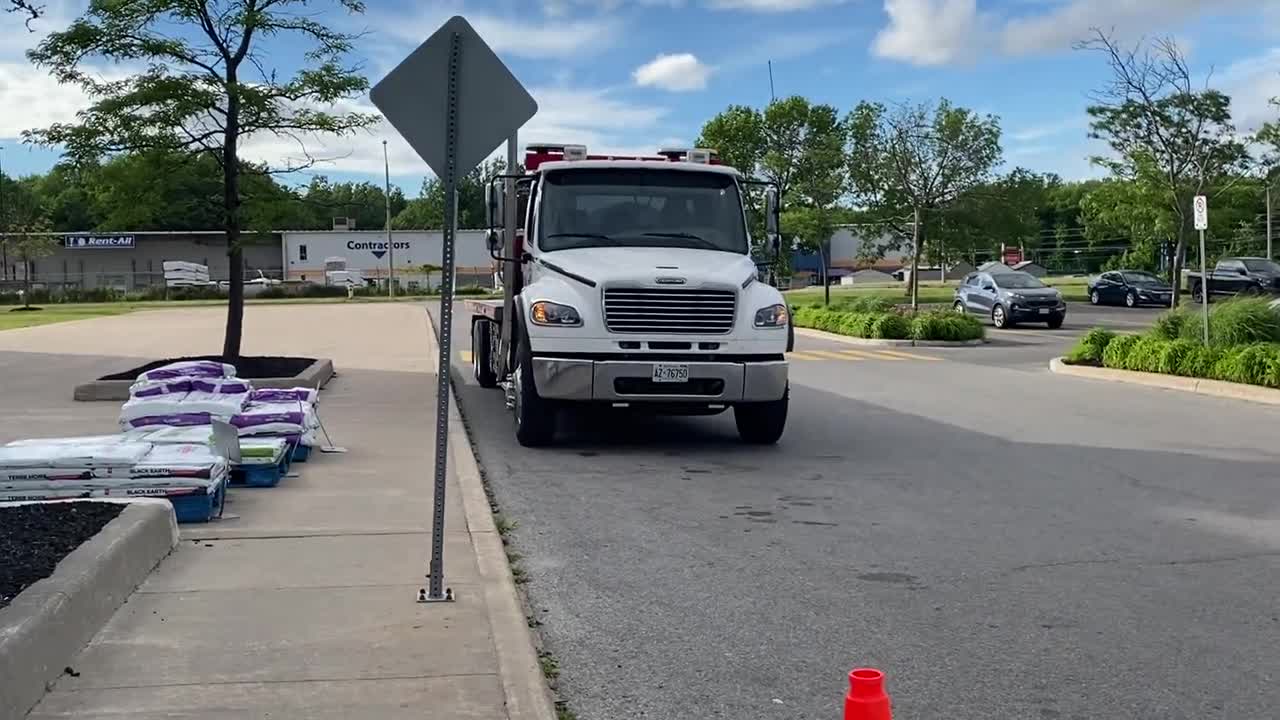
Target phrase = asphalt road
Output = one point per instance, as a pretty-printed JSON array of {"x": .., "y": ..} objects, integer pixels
[{"x": 1003, "y": 542}]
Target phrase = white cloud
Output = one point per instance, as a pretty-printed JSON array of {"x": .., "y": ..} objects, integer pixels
[
  {"x": 772, "y": 5},
  {"x": 937, "y": 32},
  {"x": 680, "y": 72},
  {"x": 1252, "y": 83},
  {"x": 928, "y": 32},
  {"x": 1039, "y": 132},
  {"x": 515, "y": 36}
]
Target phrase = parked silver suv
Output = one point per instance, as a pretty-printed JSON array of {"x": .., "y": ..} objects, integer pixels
[{"x": 1009, "y": 298}]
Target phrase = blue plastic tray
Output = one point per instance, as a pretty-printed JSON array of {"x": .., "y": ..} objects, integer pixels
[
  {"x": 261, "y": 475},
  {"x": 199, "y": 508}
]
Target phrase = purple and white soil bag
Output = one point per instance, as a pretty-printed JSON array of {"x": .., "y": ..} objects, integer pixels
[
  {"x": 177, "y": 419},
  {"x": 304, "y": 395},
  {"x": 189, "y": 369}
]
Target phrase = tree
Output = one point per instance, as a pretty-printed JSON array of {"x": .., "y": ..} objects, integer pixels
[
  {"x": 27, "y": 237},
  {"x": 737, "y": 133},
  {"x": 426, "y": 212},
  {"x": 366, "y": 202},
  {"x": 1163, "y": 129},
  {"x": 206, "y": 89},
  {"x": 30, "y": 10},
  {"x": 915, "y": 159}
]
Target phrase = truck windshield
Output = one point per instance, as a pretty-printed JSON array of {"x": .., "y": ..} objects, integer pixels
[{"x": 610, "y": 207}]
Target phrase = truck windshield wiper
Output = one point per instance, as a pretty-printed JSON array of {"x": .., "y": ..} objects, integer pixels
[
  {"x": 592, "y": 236},
  {"x": 683, "y": 236}
]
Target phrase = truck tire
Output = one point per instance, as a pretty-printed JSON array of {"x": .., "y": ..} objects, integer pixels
[
  {"x": 481, "y": 351},
  {"x": 791, "y": 337},
  {"x": 1197, "y": 293},
  {"x": 762, "y": 423},
  {"x": 535, "y": 417}
]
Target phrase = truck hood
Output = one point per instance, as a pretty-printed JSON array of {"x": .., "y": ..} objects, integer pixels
[{"x": 644, "y": 265}]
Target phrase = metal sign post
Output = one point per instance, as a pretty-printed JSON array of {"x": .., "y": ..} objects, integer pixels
[
  {"x": 1200, "y": 206},
  {"x": 454, "y": 102}
]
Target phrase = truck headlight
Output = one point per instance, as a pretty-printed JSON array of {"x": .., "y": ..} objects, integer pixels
[
  {"x": 772, "y": 317},
  {"x": 544, "y": 312}
]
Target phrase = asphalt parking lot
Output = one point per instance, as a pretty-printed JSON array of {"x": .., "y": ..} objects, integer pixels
[{"x": 1003, "y": 542}]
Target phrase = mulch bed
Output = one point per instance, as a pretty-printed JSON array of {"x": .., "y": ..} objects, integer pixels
[
  {"x": 34, "y": 538},
  {"x": 248, "y": 368}
]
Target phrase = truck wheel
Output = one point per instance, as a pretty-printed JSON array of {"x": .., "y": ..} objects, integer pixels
[
  {"x": 762, "y": 423},
  {"x": 481, "y": 362},
  {"x": 791, "y": 337},
  {"x": 535, "y": 417},
  {"x": 1197, "y": 293}
]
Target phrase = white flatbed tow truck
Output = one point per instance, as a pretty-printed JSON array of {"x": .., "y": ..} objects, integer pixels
[{"x": 629, "y": 283}]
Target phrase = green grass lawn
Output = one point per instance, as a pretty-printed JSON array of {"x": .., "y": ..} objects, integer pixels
[
  {"x": 63, "y": 312},
  {"x": 1074, "y": 289},
  {"x": 10, "y": 319}
]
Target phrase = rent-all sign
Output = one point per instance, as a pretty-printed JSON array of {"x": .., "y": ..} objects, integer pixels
[{"x": 82, "y": 242}]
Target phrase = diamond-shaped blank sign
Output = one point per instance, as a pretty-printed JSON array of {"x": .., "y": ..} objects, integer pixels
[{"x": 492, "y": 104}]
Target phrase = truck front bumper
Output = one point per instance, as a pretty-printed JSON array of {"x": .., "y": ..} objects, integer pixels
[{"x": 632, "y": 381}]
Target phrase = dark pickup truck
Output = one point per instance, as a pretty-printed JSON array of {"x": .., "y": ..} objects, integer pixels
[{"x": 1238, "y": 276}]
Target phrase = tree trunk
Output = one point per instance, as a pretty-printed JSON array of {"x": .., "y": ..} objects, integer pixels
[
  {"x": 231, "y": 218},
  {"x": 26, "y": 282},
  {"x": 1175, "y": 268},
  {"x": 915, "y": 260},
  {"x": 826, "y": 281}
]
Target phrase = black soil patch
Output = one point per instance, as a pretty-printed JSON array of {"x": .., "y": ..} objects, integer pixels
[
  {"x": 248, "y": 368},
  {"x": 34, "y": 539},
  {"x": 33, "y": 308}
]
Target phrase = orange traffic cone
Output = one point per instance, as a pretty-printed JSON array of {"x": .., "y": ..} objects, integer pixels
[{"x": 866, "y": 699}]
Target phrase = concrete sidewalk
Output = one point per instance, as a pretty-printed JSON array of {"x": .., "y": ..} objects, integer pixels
[{"x": 300, "y": 602}]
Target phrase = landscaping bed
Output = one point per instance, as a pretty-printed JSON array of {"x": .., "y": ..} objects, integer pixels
[
  {"x": 264, "y": 371},
  {"x": 249, "y": 367},
  {"x": 1244, "y": 345},
  {"x": 34, "y": 538},
  {"x": 873, "y": 318}
]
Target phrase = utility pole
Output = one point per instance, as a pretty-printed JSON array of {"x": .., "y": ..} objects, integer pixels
[
  {"x": 772, "y": 96},
  {"x": 391, "y": 248},
  {"x": 4, "y": 223},
  {"x": 1269, "y": 255}
]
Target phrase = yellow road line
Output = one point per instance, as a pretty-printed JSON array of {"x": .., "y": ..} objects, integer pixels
[
  {"x": 827, "y": 354},
  {"x": 857, "y": 354},
  {"x": 905, "y": 356}
]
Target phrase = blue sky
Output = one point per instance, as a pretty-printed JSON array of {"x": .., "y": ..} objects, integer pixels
[{"x": 631, "y": 75}]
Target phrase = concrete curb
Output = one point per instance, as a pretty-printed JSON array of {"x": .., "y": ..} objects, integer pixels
[
  {"x": 47, "y": 624},
  {"x": 1212, "y": 388},
  {"x": 878, "y": 342},
  {"x": 316, "y": 376},
  {"x": 525, "y": 689}
]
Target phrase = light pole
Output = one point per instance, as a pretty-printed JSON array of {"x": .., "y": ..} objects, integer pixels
[
  {"x": 391, "y": 249},
  {"x": 1269, "y": 255},
  {"x": 4, "y": 223}
]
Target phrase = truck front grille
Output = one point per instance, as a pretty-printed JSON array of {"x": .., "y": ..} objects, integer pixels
[{"x": 683, "y": 311}]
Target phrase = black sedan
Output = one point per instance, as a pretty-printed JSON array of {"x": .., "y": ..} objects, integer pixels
[{"x": 1130, "y": 287}]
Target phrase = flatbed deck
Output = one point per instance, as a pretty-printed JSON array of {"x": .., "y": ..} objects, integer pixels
[{"x": 491, "y": 309}]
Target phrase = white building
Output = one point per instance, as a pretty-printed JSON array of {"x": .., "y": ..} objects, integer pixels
[{"x": 304, "y": 253}]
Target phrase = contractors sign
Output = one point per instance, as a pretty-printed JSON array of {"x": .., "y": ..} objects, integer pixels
[
  {"x": 377, "y": 247},
  {"x": 83, "y": 242}
]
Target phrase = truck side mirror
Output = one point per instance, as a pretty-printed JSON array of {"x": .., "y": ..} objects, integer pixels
[
  {"x": 494, "y": 204},
  {"x": 771, "y": 213}
]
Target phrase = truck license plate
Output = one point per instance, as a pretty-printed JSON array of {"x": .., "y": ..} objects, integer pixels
[{"x": 668, "y": 373}]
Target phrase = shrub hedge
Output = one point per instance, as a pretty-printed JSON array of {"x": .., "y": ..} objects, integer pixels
[
  {"x": 888, "y": 325},
  {"x": 1244, "y": 347}
]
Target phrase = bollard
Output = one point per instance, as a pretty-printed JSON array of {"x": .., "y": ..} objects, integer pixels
[{"x": 866, "y": 699}]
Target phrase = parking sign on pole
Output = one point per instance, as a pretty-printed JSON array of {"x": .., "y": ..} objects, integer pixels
[
  {"x": 454, "y": 101},
  {"x": 1200, "y": 209}
]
